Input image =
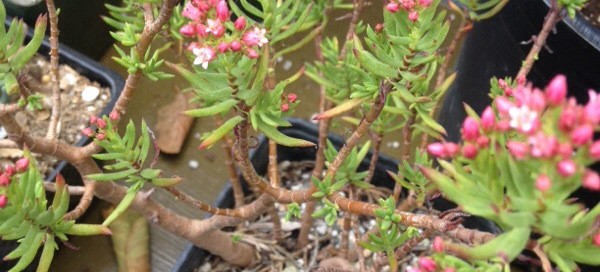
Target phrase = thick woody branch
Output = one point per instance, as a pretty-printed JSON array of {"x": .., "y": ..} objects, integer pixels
[{"x": 56, "y": 103}]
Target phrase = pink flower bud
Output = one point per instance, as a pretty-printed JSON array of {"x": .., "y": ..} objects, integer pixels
[
  {"x": 438, "y": 244},
  {"x": 4, "y": 179},
  {"x": 425, "y": 3},
  {"x": 502, "y": 84},
  {"x": 582, "y": 135},
  {"x": 114, "y": 115},
  {"x": 203, "y": 6},
  {"x": 87, "y": 132},
  {"x": 469, "y": 151},
  {"x": 201, "y": 30},
  {"x": 591, "y": 111},
  {"x": 503, "y": 125},
  {"x": 21, "y": 165},
  {"x": 436, "y": 150},
  {"x": 556, "y": 91},
  {"x": 488, "y": 119},
  {"x": 101, "y": 136},
  {"x": 9, "y": 170},
  {"x": 240, "y": 23},
  {"x": 222, "y": 11},
  {"x": 451, "y": 149},
  {"x": 413, "y": 16},
  {"x": 191, "y": 12},
  {"x": 594, "y": 150},
  {"x": 93, "y": 119},
  {"x": 285, "y": 107},
  {"x": 517, "y": 149},
  {"x": 470, "y": 129},
  {"x": 543, "y": 183},
  {"x": 408, "y": 4},
  {"x": 566, "y": 168},
  {"x": 596, "y": 239},
  {"x": 3, "y": 201},
  {"x": 235, "y": 46},
  {"x": 101, "y": 123},
  {"x": 591, "y": 180},
  {"x": 565, "y": 150},
  {"x": 503, "y": 105},
  {"x": 292, "y": 97},
  {"x": 427, "y": 264},
  {"x": 521, "y": 80},
  {"x": 188, "y": 30},
  {"x": 567, "y": 119},
  {"x": 378, "y": 28},
  {"x": 223, "y": 47},
  {"x": 483, "y": 142},
  {"x": 392, "y": 7},
  {"x": 251, "y": 53}
]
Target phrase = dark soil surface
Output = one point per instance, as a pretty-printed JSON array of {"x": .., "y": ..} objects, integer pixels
[{"x": 591, "y": 11}]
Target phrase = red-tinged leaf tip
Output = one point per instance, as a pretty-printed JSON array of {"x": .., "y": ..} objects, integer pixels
[
  {"x": 318, "y": 117},
  {"x": 60, "y": 180}
]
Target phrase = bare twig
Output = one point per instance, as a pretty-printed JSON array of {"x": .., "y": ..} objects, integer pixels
[
  {"x": 53, "y": 69},
  {"x": 73, "y": 190},
  {"x": 406, "y": 148},
  {"x": 552, "y": 18},
  {"x": 238, "y": 193},
  {"x": 274, "y": 180}
]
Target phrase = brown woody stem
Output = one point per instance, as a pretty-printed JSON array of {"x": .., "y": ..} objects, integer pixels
[
  {"x": 406, "y": 149},
  {"x": 53, "y": 69},
  {"x": 274, "y": 180},
  {"x": 236, "y": 186}
]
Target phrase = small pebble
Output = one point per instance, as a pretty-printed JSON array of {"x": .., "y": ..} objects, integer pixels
[
  {"x": 287, "y": 65},
  {"x": 197, "y": 135},
  {"x": 193, "y": 164},
  {"x": 321, "y": 229},
  {"x": 66, "y": 80},
  {"x": 90, "y": 93},
  {"x": 3, "y": 133}
]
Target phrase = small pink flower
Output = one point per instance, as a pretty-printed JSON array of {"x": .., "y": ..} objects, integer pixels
[
  {"x": 425, "y": 3},
  {"x": 114, "y": 115},
  {"x": 392, "y": 7},
  {"x": 235, "y": 46},
  {"x": 543, "y": 183},
  {"x": 566, "y": 168},
  {"x": 451, "y": 149},
  {"x": 215, "y": 27},
  {"x": 533, "y": 99},
  {"x": 436, "y": 150},
  {"x": 10, "y": 170},
  {"x": 470, "y": 129},
  {"x": 568, "y": 117},
  {"x": 469, "y": 150},
  {"x": 3, "y": 201},
  {"x": 251, "y": 53},
  {"x": 93, "y": 119},
  {"x": 438, "y": 244},
  {"x": 100, "y": 136},
  {"x": 240, "y": 23},
  {"x": 21, "y": 165},
  {"x": 502, "y": 84},
  {"x": 222, "y": 11},
  {"x": 483, "y": 142},
  {"x": 565, "y": 150},
  {"x": 201, "y": 30},
  {"x": 594, "y": 150},
  {"x": 285, "y": 107},
  {"x": 591, "y": 180},
  {"x": 503, "y": 105},
  {"x": 517, "y": 149},
  {"x": 503, "y": 125},
  {"x": 254, "y": 37},
  {"x": 596, "y": 239},
  {"x": 87, "y": 132},
  {"x": 100, "y": 123},
  {"x": 4, "y": 179},
  {"x": 542, "y": 145},
  {"x": 591, "y": 111},
  {"x": 488, "y": 119},
  {"x": 223, "y": 47},
  {"x": 413, "y": 16},
  {"x": 556, "y": 91},
  {"x": 408, "y": 4},
  {"x": 378, "y": 28},
  {"x": 292, "y": 97},
  {"x": 523, "y": 119},
  {"x": 427, "y": 264},
  {"x": 203, "y": 6},
  {"x": 582, "y": 135},
  {"x": 204, "y": 55},
  {"x": 191, "y": 12},
  {"x": 188, "y": 30}
]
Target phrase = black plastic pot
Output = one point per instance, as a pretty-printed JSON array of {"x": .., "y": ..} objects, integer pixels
[
  {"x": 95, "y": 72},
  {"x": 193, "y": 256},
  {"x": 494, "y": 48}
]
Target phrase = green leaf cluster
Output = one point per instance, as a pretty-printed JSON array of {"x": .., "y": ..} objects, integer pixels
[
  {"x": 328, "y": 211},
  {"x": 387, "y": 213},
  {"x": 128, "y": 20},
  {"x": 572, "y": 6},
  {"x": 483, "y": 9},
  {"x": 293, "y": 210},
  {"x": 388, "y": 240},
  {"x": 13, "y": 55},
  {"x": 412, "y": 178},
  {"x": 29, "y": 219},
  {"x": 348, "y": 172},
  {"x": 128, "y": 157}
]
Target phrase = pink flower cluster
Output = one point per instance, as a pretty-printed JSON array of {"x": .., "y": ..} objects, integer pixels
[
  {"x": 551, "y": 126},
  {"x": 101, "y": 124},
  {"x": 20, "y": 166},
  {"x": 411, "y": 6},
  {"x": 207, "y": 26}
]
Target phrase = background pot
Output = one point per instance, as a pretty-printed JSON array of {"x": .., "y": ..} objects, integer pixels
[
  {"x": 193, "y": 256},
  {"x": 95, "y": 72},
  {"x": 494, "y": 48}
]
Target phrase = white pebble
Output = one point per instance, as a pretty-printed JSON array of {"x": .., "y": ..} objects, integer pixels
[
  {"x": 287, "y": 65},
  {"x": 193, "y": 164},
  {"x": 90, "y": 93},
  {"x": 67, "y": 80},
  {"x": 197, "y": 135},
  {"x": 3, "y": 133},
  {"x": 321, "y": 229}
]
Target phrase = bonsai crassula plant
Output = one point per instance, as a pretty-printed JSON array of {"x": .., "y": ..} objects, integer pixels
[{"x": 517, "y": 165}]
